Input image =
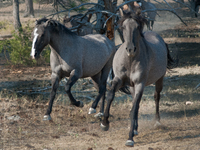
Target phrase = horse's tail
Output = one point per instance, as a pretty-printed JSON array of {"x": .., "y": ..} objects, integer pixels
[
  {"x": 124, "y": 89},
  {"x": 171, "y": 63}
]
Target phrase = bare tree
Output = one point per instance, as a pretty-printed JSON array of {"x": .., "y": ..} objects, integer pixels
[
  {"x": 29, "y": 8},
  {"x": 107, "y": 14},
  {"x": 111, "y": 7},
  {"x": 17, "y": 23}
]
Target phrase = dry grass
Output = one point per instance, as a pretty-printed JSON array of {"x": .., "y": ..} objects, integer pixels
[
  {"x": 22, "y": 127},
  {"x": 21, "y": 114}
]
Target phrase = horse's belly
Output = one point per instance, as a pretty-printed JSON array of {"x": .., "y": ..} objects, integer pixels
[
  {"x": 91, "y": 71},
  {"x": 154, "y": 75},
  {"x": 94, "y": 65}
]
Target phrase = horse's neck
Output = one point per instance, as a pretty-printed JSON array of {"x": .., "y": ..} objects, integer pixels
[
  {"x": 137, "y": 38},
  {"x": 61, "y": 43},
  {"x": 141, "y": 46}
]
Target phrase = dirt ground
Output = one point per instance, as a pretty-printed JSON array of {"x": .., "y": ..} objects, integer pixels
[{"x": 25, "y": 92}]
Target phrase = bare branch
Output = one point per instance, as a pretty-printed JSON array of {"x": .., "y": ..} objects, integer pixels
[
  {"x": 197, "y": 86},
  {"x": 73, "y": 9},
  {"x": 83, "y": 5},
  {"x": 84, "y": 96},
  {"x": 184, "y": 5},
  {"x": 159, "y": 3},
  {"x": 107, "y": 20},
  {"x": 168, "y": 4},
  {"x": 172, "y": 11}
]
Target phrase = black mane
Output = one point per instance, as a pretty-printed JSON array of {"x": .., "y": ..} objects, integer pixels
[
  {"x": 56, "y": 26},
  {"x": 137, "y": 16},
  {"x": 40, "y": 21}
]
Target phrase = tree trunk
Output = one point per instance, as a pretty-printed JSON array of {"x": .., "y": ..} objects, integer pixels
[
  {"x": 29, "y": 8},
  {"x": 55, "y": 5},
  {"x": 100, "y": 18},
  {"x": 110, "y": 6},
  {"x": 17, "y": 23}
]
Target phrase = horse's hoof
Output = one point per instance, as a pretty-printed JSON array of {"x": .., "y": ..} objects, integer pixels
[
  {"x": 99, "y": 115},
  {"x": 135, "y": 132},
  {"x": 81, "y": 104},
  {"x": 92, "y": 110},
  {"x": 157, "y": 124},
  {"x": 104, "y": 128},
  {"x": 129, "y": 143},
  {"x": 46, "y": 117}
]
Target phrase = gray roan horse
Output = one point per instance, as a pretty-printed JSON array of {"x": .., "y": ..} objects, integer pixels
[
  {"x": 141, "y": 60},
  {"x": 75, "y": 57}
]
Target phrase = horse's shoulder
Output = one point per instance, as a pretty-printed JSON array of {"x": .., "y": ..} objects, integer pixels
[
  {"x": 121, "y": 53},
  {"x": 152, "y": 36}
]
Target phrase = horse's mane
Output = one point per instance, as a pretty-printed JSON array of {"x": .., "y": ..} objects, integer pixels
[
  {"x": 57, "y": 26},
  {"x": 137, "y": 16}
]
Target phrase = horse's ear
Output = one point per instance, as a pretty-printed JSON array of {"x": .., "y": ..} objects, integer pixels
[
  {"x": 51, "y": 23},
  {"x": 36, "y": 22},
  {"x": 121, "y": 12}
]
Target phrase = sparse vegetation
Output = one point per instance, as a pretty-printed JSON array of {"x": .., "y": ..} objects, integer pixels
[
  {"x": 19, "y": 48},
  {"x": 25, "y": 90}
]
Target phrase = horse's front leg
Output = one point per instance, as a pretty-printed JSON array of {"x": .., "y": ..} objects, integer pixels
[
  {"x": 132, "y": 90},
  {"x": 116, "y": 84},
  {"x": 55, "y": 84},
  {"x": 137, "y": 95},
  {"x": 72, "y": 80},
  {"x": 158, "y": 89}
]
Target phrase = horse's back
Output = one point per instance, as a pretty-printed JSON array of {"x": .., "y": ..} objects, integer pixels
[
  {"x": 157, "y": 52},
  {"x": 99, "y": 42},
  {"x": 152, "y": 38},
  {"x": 97, "y": 50}
]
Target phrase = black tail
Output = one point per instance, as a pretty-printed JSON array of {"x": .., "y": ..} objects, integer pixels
[
  {"x": 124, "y": 89},
  {"x": 171, "y": 63}
]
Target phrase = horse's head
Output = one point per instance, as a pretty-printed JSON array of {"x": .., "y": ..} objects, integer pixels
[
  {"x": 132, "y": 27},
  {"x": 41, "y": 36}
]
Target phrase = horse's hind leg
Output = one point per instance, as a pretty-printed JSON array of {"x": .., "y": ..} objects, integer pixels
[
  {"x": 55, "y": 84},
  {"x": 72, "y": 80},
  {"x": 100, "y": 85},
  {"x": 148, "y": 25},
  {"x": 132, "y": 90},
  {"x": 158, "y": 89},
  {"x": 152, "y": 22}
]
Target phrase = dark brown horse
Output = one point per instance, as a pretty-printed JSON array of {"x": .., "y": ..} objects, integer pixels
[{"x": 140, "y": 61}]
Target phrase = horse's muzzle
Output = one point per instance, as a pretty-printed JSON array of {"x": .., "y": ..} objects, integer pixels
[
  {"x": 131, "y": 52},
  {"x": 35, "y": 56}
]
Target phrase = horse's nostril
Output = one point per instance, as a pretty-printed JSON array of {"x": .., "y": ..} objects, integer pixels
[{"x": 134, "y": 49}]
